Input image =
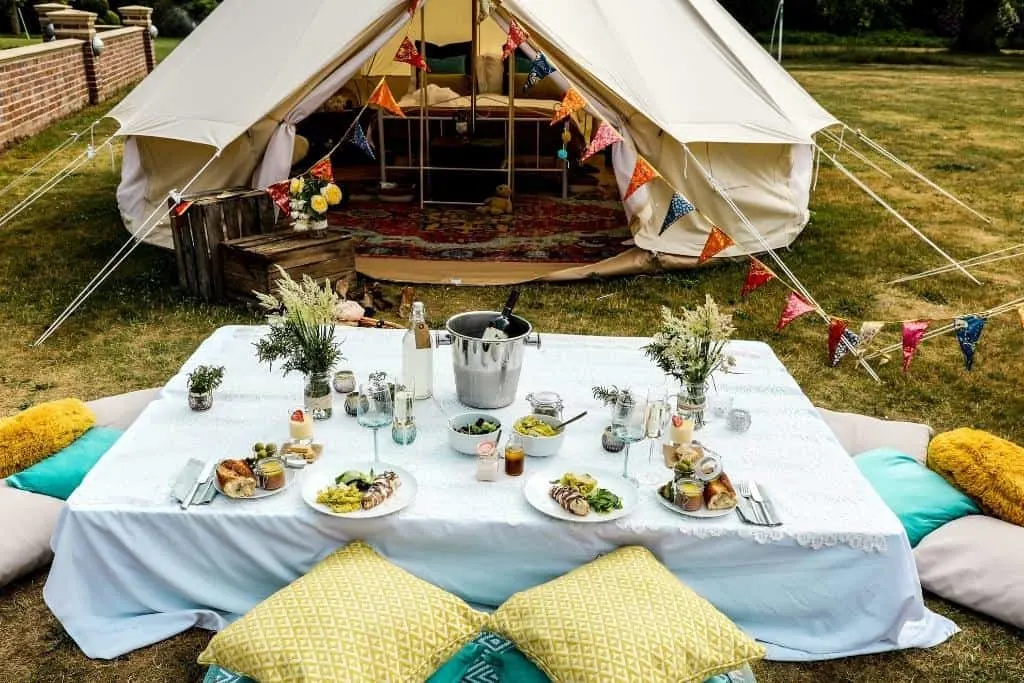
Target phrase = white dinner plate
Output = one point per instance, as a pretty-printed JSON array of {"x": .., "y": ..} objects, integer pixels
[
  {"x": 319, "y": 480},
  {"x": 289, "y": 477},
  {"x": 703, "y": 513},
  {"x": 537, "y": 494}
]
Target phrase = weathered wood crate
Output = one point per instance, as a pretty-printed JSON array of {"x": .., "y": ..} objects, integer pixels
[
  {"x": 210, "y": 219},
  {"x": 249, "y": 262}
]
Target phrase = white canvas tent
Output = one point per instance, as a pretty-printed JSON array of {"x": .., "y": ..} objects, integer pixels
[{"x": 664, "y": 72}]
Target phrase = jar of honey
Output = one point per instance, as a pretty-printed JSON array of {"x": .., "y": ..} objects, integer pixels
[
  {"x": 515, "y": 455},
  {"x": 689, "y": 494}
]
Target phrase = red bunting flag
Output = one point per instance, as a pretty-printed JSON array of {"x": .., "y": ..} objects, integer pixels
[
  {"x": 912, "y": 333},
  {"x": 414, "y": 5},
  {"x": 836, "y": 329},
  {"x": 717, "y": 241},
  {"x": 180, "y": 208},
  {"x": 571, "y": 103},
  {"x": 408, "y": 54},
  {"x": 604, "y": 136},
  {"x": 643, "y": 173},
  {"x": 758, "y": 274},
  {"x": 383, "y": 98},
  {"x": 517, "y": 35},
  {"x": 281, "y": 194},
  {"x": 796, "y": 306},
  {"x": 323, "y": 170}
]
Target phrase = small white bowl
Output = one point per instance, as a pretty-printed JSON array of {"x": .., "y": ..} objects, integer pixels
[
  {"x": 542, "y": 446},
  {"x": 467, "y": 443}
]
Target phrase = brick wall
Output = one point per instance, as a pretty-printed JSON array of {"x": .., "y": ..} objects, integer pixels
[{"x": 123, "y": 61}]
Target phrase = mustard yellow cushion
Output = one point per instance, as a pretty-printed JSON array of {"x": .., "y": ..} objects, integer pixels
[
  {"x": 355, "y": 617},
  {"x": 988, "y": 469},
  {"x": 623, "y": 618},
  {"x": 41, "y": 431}
]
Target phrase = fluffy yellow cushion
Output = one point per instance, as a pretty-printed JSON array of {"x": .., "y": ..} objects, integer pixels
[
  {"x": 354, "y": 617},
  {"x": 40, "y": 431},
  {"x": 623, "y": 618},
  {"x": 985, "y": 467}
]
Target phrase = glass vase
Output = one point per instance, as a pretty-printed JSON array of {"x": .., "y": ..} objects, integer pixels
[
  {"x": 317, "y": 227},
  {"x": 318, "y": 399},
  {"x": 691, "y": 401}
]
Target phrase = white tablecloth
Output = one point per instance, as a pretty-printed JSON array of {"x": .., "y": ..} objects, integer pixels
[{"x": 131, "y": 568}]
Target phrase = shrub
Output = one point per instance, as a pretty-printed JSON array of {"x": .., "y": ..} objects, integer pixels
[
  {"x": 172, "y": 20},
  {"x": 111, "y": 18}
]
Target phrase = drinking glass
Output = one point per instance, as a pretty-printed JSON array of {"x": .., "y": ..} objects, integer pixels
[
  {"x": 629, "y": 421},
  {"x": 654, "y": 427},
  {"x": 375, "y": 409},
  {"x": 719, "y": 403}
]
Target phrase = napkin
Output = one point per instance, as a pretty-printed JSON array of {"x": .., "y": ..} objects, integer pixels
[
  {"x": 747, "y": 514},
  {"x": 187, "y": 478}
]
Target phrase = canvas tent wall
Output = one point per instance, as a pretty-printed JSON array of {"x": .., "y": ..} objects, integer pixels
[{"x": 664, "y": 72}]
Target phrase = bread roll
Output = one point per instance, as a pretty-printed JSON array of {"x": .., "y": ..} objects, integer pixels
[
  {"x": 236, "y": 479},
  {"x": 719, "y": 493}
]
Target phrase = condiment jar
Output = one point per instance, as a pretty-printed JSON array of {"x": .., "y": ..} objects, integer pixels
[
  {"x": 546, "y": 403},
  {"x": 689, "y": 494},
  {"x": 487, "y": 466}
]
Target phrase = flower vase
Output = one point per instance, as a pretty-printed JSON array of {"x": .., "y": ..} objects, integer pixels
[
  {"x": 318, "y": 227},
  {"x": 300, "y": 224},
  {"x": 610, "y": 442},
  {"x": 200, "y": 401},
  {"x": 318, "y": 399},
  {"x": 691, "y": 402}
]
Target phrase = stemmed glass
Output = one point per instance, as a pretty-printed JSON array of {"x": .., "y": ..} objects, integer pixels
[
  {"x": 375, "y": 409},
  {"x": 654, "y": 426},
  {"x": 629, "y": 422}
]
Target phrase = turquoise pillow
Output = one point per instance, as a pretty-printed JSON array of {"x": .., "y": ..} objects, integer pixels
[
  {"x": 447, "y": 65},
  {"x": 921, "y": 499},
  {"x": 60, "y": 474},
  {"x": 523, "y": 64}
]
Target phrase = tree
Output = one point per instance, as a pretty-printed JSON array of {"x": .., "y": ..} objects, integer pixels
[{"x": 981, "y": 25}]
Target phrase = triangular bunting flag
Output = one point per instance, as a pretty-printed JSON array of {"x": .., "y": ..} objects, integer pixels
[
  {"x": 281, "y": 195},
  {"x": 486, "y": 7},
  {"x": 414, "y": 5},
  {"x": 643, "y": 173},
  {"x": 868, "y": 331},
  {"x": 677, "y": 208},
  {"x": 517, "y": 35},
  {"x": 604, "y": 136},
  {"x": 796, "y": 306},
  {"x": 758, "y": 274},
  {"x": 358, "y": 139},
  {"x": 837, "y": 329},
  {"x": 323, "y": 170},
  {"x": 180, "y": 208},
  {"x": 571, "y": 103},
  {"x": 408, "y": 54},
  {"x": 842, "y": 349},
  {"x": 912, "y": 333},
  {"x": 717, "y": 241},
  {"x": 383, "y": 98},
  {"x": 539, "y": 70},
  {"x": 968, "y": 332}
]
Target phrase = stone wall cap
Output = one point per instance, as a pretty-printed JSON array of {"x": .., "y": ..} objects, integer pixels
[
  {"x": 71, "y": 14},
  {"x": 134, "y": 8},
  {"x": 26, "y": 51}
]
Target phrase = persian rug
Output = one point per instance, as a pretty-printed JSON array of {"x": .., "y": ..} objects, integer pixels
[{"x": 540, "y": 229}]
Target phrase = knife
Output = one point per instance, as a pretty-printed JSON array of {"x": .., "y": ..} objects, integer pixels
[
  {"x": 755, "y": 493},
  {"x": 204, "y": 476}
]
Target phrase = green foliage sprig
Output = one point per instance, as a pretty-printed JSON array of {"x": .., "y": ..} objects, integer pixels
[
  {"x": 691, "y": 346},
  {"x": 301, "y": 326},
  {"x": 205, "y": 379}
]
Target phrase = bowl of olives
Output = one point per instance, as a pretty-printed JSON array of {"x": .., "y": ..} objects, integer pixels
[{"x": 468, "y": 430}]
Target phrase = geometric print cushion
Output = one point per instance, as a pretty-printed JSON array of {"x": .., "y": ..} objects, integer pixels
[
  {"x": 354, "y": 617},
  {"x": 623, "y": 618}
]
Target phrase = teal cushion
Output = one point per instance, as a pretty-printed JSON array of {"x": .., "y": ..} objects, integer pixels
[
  {"x": 447, "y": 65},
  {"x": 921, "y": 499},
  {"x": 60, "y": 474},
  {"x": 523, "y": 64}
]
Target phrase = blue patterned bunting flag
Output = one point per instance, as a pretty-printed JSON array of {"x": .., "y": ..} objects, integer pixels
[
  {"x": 852, "y": 338},
  {"x": 678, "y": 207},
  {"x": 358, "y": 139},
  {"x": 968, "y": 332},
  {"x": 539, "y": 70}
]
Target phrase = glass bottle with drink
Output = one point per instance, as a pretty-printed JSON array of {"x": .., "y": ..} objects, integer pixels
[
  {"x": 515, "y": 455},
  {"x": 418, "y": 354}
]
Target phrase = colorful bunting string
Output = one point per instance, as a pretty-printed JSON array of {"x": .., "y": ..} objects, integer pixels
[
  {"x": 842, "y": 349},
  {"x": 360, "y": 141},
  {"x": 837, "y": 328},
  {"x": 408, "y": 54},
  {"x": 383, "y": 98},
  {"x": 968, "y": 332},
  {"x": 604, "y": 136},
  {"x": 571, "y": 103},
  {"x": 323, "y": 170},
  {"x": 796, "y": 306},
  {"x": 757, "y": 275},
  {"x": 179, "y": 209},
  {"x": 643, "y": 173},
  {"x": 868, "y": 331},
  {"x": 717, "y": 242},
  {"x": 517, "y": 35},
  {"x": 912, "y": 332},
  {"x": 281, "y": 196},
  {"x": 539, "y": 70},
  {"x": 678, "y": 207}
]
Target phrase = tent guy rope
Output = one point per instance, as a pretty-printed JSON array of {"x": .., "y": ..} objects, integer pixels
[
  {"x": 982, "y": 260},
  {"x": 72, "y": 138}
]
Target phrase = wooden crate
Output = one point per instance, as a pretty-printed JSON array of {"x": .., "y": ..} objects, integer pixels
[
  {"x": 210, "y": 219},
  {"x": 249, "y": 262}
]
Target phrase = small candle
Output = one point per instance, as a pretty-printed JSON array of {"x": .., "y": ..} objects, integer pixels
[
  {"x": 402, "y": 400},
  {"x": 681, "y": 431},
  {"x": 487, "y": 461}
]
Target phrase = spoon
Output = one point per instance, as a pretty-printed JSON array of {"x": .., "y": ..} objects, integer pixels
[{"x": 559, "y": 428}]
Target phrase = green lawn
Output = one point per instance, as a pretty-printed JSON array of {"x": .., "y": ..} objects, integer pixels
[
  {"x": 960, "y": 123},
  {"x": 17, "y": 41}
]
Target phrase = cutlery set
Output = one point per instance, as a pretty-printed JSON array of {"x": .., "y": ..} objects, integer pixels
[{"x": 755, "y": 508}]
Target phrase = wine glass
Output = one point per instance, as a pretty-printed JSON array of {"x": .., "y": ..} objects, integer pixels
[
  {"x": 375, "y": 409},
  {"x": 629, "y": 421},
  {"x": 657, "y": 409}
]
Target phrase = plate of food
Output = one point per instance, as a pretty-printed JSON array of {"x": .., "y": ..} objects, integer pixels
[
  {"x": 261, "y": 475},
  {"x": 359, "y": 494},
  {"x": 591, "y": 496},
  {"x": 696, "y": 498}
]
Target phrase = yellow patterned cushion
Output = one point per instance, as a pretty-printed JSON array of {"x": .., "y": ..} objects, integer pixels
[
  {"x": 985, "y": 467},
  {"x": 355, "y": 617},
  {"x": 623, "y": 618},
  {"x": 40, "y": 431}
]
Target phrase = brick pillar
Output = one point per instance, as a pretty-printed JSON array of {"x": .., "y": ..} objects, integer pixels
[
  {"x": 43, "y": 10},
  {"x": 137, "y": 15},
  {"x": 73, "y": 23}
]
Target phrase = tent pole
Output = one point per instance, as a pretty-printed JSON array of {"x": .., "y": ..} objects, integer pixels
[
  {"x": 512, "y": 120},
  {"x": 474, "y": 76},
  {"x": 782, "y": 14},
  {"x": 381, "y": 151},
  {"x": 424, "y": 110}
]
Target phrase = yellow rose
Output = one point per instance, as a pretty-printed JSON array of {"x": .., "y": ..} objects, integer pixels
[
  {"x": 318, "y": 203},
  {"x": 332, "y": 193},
  {"x": 297, "y": 185}
]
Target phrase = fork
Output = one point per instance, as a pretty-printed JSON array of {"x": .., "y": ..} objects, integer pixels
[{"x": 743, "y": 488}]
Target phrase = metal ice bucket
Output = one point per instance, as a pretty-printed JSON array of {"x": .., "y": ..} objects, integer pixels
[{"x": 486, "y": 373}]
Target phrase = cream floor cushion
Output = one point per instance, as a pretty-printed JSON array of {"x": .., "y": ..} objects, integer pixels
[{"x": 860, "y": 433}]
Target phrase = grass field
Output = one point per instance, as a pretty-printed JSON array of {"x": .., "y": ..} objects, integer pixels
[{"x": 960, "y": 123}]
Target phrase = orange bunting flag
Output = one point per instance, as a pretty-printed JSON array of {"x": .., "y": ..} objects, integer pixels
[
  {"x": 604, "y": 136},
  {"x": 323, "y": 170},
  {"x": 796, "y": 306},
  {"x": 571, "y": 103},
  {"x": 383, "y": 98},
  {"x": 280, "y": 193},
  {"x": 758, "y": 274},
  {"x": 180, "y": 209},
  {"x": 408, "y": 54},
  {"x": 913, "y": 332},
  {"x": 517, "y": 35},
  {"x": 643, "y": 173},
  {"x": 836, "y": 332},
  {"x": 717, "y": 241}
]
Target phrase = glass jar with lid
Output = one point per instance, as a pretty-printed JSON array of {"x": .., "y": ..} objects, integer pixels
[{"x": 546, "y": 403}]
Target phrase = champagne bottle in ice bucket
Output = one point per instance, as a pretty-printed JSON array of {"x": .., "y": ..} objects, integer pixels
[
  {"x": 418, "y": 354},
  {"x": 497, "y": 329}
]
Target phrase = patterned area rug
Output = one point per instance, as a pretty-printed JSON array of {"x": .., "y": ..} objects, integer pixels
[{"x": 541, "y": 229}]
